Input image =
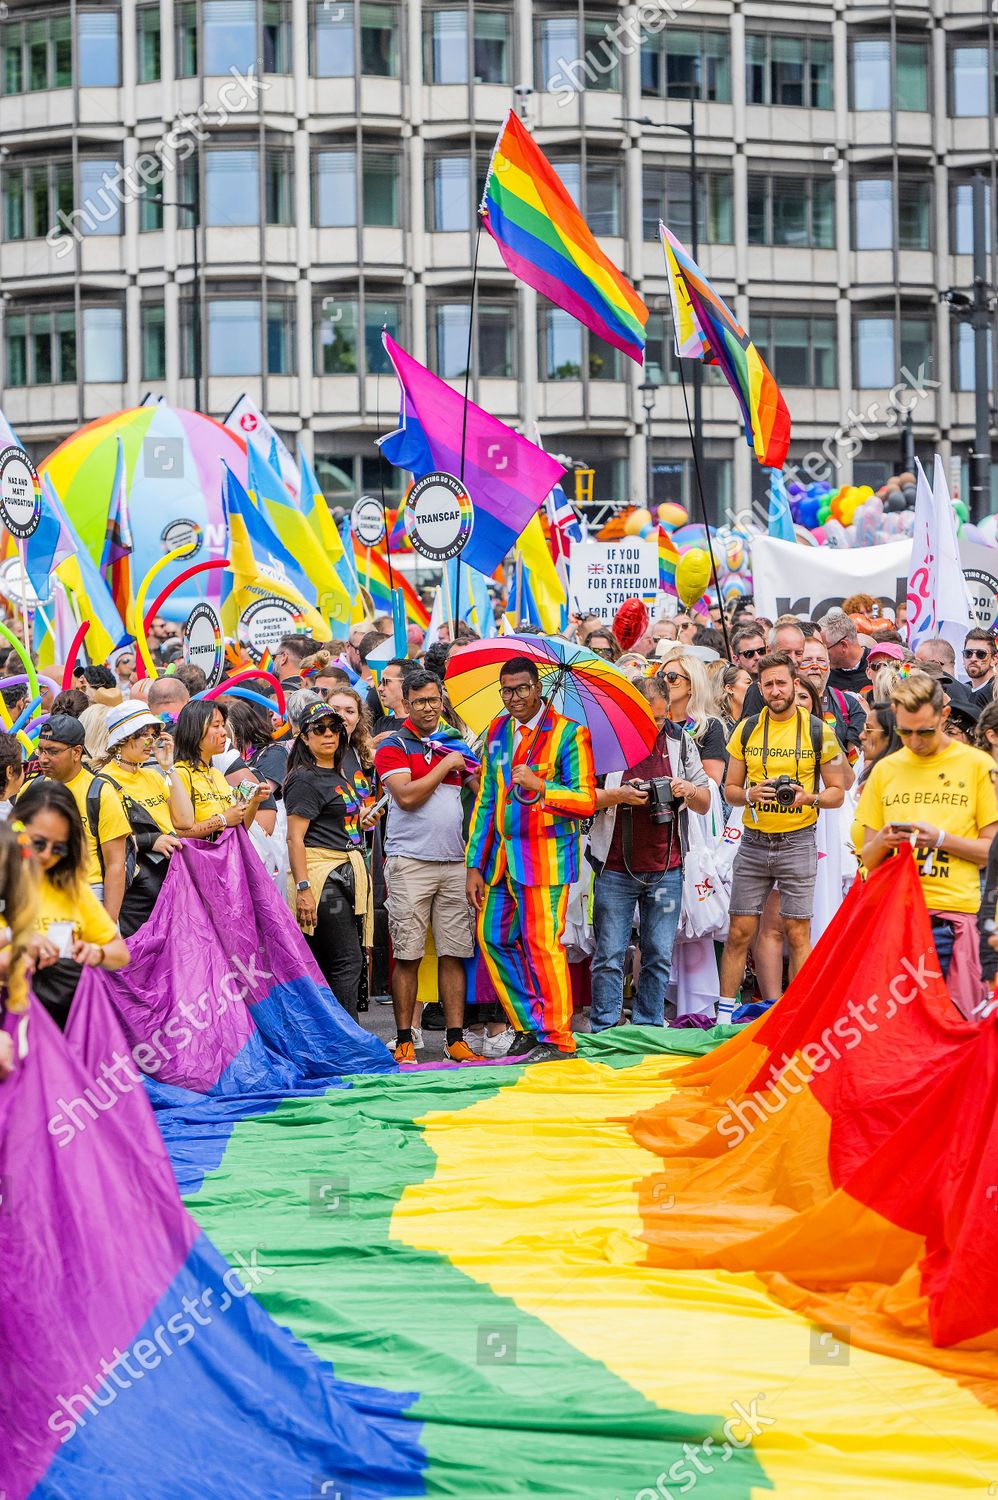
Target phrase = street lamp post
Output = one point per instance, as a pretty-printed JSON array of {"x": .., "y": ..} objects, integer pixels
[
  {"x": 192, "y": 209},
  {"x": 976, "y": 306},
  {"x": 649, "y": 392}
]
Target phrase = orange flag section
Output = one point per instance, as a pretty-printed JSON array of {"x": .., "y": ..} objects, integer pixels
[{"x": 842, "y": 1147}]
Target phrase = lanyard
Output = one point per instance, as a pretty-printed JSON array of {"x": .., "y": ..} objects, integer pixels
[{"x": 765, "y": 746}]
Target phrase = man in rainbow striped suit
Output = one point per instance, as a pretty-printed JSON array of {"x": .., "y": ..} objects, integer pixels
[{"x": 524, "y": 855}]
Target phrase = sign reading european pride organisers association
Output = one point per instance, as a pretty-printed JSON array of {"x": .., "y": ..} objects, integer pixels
[
  {"x": 438, "y": 517},
  {"x": 604, "y": 574},
  {"x": 204, "y": 642},
  {"x": 20, "y": 493}
]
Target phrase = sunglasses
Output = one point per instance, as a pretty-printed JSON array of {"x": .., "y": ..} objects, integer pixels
[
  {"x": 42, "y": 846},
  {"x": 751, "y": 651},
  {"x": 976, "y": 655},
  {"x": 674, "y": 677},
  {"x": 324, "y": 727},
  {"x": 921, "y": 734}
]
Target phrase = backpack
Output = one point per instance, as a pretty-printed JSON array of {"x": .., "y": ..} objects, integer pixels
[
  {"x": 817, "y": 735},
  {"x": 93, "y": 820}
]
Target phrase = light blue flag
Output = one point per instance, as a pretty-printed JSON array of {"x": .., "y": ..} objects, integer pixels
[
  {"x": 476, "y": 601},
  {"x": 781, "y": 522}
]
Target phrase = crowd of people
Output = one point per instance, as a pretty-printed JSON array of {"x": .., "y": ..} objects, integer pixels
[{"x": 500, "y": 889}]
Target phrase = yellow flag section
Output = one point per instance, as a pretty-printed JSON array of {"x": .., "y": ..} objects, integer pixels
[
  {"x": 561, "y": 1234},
  {"x": 304, "y": 535},
  {"x": 540, "y": 576},
  {"x": 249, "y": 582}
]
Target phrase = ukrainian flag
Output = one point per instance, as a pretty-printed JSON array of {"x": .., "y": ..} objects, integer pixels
[
  {"x": 302, "y": 539},
  {"x": 259, "y": 568}
]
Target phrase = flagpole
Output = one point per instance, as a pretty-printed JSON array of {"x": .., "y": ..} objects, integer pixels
[
  {"x": 467, "y": 382},
  {"x": 21, "y": 546},
  {"x": 703, "y": 512}
]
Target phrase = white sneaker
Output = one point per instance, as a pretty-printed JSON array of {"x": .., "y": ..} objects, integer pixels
[
  {"x": 417, "y": 1042},
  {"x": 498, "y": 1045}
]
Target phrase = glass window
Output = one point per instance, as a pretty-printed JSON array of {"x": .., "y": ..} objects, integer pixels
[
  {"x": 914, "y": 214},
  {"x": 823, "y": 213},
  {"x": 281, "y": 337},
  {"x": 561, "y": 336},
  {"x": 153, "y": 319},
  {"x": 794, "y": 211},
  {"x": 332, "y": 40},
  {"x": 234, "y": 337},
  {"x": 100, "y": 195},
  {"x": 447, "y": 49},
  {"x": 17, "y": 349},
  {"x": 560, "y": 65},
  {"x": 228, "y": 35},
  {"x": 877, "y": 365},
  {"x": 962, "y": 216},
  {"x": 276, "y": 26},
  {"x": 873, "y": 227},
  {"x": 964, "y": 371},
  {"x": 336, "y": 330},
  {"x": 335, "y": 189},
  {"x": 13, "y": 204},
  {"x": 187, "y": 39},
  {"x": 379, "y": 41},
  {"x": 799, "y": 350},
  {"x": 689, "y": 65},
  {"x": 98, "y": 56},
  {"x": 603, "y": 199},
  {"x": 790, "y": 215},
  {"x": 150, "y": 209},
  {"x": 491, "y": 46},
  {"x": 791, "y": 71},
  {"x": 666, "y": 196},
  {"x": 12, "y": 57},
  {"x": 150, "y": 43},
  {"x": 279, "y": 183},
  {"x": 870, "y": 74},
  {"x": 825, "y": 350},
  {"x": 38, "y": 55},
  {"x": 232, "y": 186},
  {"x": 450, "y": 193},
  {"x": 381, "y": 189},
  {"x": 103, "y": 345},
  {"x": 380, "y": 312},
  {"x": 969, "y": 90},
  {"x": 601, "y": 54},
  {"x": 65, "y": 347},
  {"x": 62, "y": 53},
  {"x": 449, "y": 338}
]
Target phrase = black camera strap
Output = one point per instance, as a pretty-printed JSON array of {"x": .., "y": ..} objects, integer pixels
[
  {"x": 765, "y": 746},
  {"x": 627, "y": 832}
]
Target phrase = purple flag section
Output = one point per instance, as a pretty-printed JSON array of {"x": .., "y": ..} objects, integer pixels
[
  {"x": 222, "y": 994},
  {"x": 506, "y": 476},
  {"x": 135, "y": 1360}
]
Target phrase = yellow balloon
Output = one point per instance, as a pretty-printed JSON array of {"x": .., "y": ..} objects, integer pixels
[
  {"x": 637, "y": 521},
  {"x": 692, "y": 575}
]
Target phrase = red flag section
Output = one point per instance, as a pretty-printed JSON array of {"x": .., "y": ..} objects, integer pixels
[{"x": 844, "y": 1147}]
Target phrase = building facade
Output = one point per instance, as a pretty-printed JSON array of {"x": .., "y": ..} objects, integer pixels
[{"x": 334, "y": 152}]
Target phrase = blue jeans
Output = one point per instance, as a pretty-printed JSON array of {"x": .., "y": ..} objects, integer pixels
[{"x": 613, "y": 912}]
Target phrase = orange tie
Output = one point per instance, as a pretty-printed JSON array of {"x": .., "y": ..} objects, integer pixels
[{"x": 520, "y": 753}]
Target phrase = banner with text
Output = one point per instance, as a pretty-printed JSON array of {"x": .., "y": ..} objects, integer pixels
[{"x": 604, "y": 574}]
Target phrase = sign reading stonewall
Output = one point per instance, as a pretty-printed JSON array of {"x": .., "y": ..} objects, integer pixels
[
  {"x": 604, "y": 574},
  {"x": 809, "y": 581}
]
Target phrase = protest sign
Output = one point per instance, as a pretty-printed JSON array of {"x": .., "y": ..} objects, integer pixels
[
  {"x": 604, "y": 574},
  {"x": 809, "y": 581}
]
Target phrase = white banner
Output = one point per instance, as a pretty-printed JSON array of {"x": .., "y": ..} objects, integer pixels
[
  {"x": 249, "y": 422},
  {"x": 809, "y": 581},
  {"x": 604, "y": 574}
]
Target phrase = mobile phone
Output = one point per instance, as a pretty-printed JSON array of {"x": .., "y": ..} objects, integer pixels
[
  {"x": 379, "y": 806},
  {"x": 61, "y": 934},
  {"x": 904, "y": 828}
]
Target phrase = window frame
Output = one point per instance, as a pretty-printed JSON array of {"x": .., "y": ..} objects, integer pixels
[
  {"x": 53, "y": 317},
  {"x": 363, "y": 298},
  {"x": 901, "y": 40},
  {"x": 763, "y": 326},
  {"x": 658, "y": 44},
  {"x": 504, "y": 307},
  {"x": 811, "y": 88},
  {"x": 810, "y": 183},
  {"x": 320, "y": 13},
  {"x": 710, "y": 181}
]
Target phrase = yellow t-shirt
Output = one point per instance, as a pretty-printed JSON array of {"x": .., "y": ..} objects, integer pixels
[
  {"x": 150, "y": 789},
  {"x": 954, "y": 791},
  {"x": 78, "y": 905},
  {"x": 209, "y": 791},
  {"x": 112, "y": 824},
  {"x": 781, "y": 759}
]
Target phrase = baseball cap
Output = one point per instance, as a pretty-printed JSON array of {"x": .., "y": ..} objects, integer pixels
[
  {"x": 63, "y": 729},
  {"x": 315, "y": 714},
  {"x": 127, "y": 719},
  {"x": 886, "y": 648}
]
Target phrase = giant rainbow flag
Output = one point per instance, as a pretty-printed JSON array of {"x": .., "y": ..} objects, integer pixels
[
  {"x": 707, "y": 330},
  {"x": 546, "y": 242},
  {"x": 665, "y": 1266}
]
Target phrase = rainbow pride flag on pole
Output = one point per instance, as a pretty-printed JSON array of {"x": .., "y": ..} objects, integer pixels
[
  {"x": 546, "y": 242},
  {"x": 707, "y": 330},
  {"x": 668, "y": 558}
]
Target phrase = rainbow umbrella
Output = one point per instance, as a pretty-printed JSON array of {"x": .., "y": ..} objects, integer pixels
[
  {"x": 173, "y": 474},
  {"x": 575, "y": 682}
]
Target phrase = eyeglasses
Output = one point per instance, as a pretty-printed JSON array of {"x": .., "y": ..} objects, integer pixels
[
  {"x": 976, "y": 655},
  {"x": 508, "y": 693},
  {"x": 42, "y": 846},
  {"x": 751, "y": 651},
  {"x": 921, "y": 734},
  {"x": 674, "y": 677}
]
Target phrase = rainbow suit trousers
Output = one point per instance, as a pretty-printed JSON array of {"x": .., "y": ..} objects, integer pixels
[{"x": 520, "y": 929}]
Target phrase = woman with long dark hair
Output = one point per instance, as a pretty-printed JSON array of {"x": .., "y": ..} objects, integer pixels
[
  {"x": 73, "y": 930},
  {"x": 330, "y": 885},
  {"x": 215, "y": 805}
]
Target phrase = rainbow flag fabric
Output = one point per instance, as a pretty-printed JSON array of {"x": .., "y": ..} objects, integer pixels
[
  {"x": 743, "y": 1263},
  {"x": 668, "y": 558},
  {"x": 707, "y": 330},
  {"x": 373, "y": 575},
  {"x": 546, "y": 242}
]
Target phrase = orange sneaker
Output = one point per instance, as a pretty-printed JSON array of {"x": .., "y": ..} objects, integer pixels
[
  {"x": 405, "y": 1052},
  {"x": 461, "y": 1052}
]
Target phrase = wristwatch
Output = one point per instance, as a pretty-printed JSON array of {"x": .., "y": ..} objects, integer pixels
[{"x": 303, "y": 885}]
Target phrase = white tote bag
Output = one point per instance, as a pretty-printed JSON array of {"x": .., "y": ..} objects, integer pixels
[{"x": 706, "y": 880}]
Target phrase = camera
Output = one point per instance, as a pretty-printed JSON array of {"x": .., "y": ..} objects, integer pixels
[
  {"x": 660, "y": 798},
  {"x": 785, "y": 789}
]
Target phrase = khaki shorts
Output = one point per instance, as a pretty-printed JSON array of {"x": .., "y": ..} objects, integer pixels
[{"x": 421, "y": 892}]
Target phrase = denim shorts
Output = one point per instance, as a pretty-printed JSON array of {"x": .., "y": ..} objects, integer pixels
[{"x": 789, "y": 860}]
